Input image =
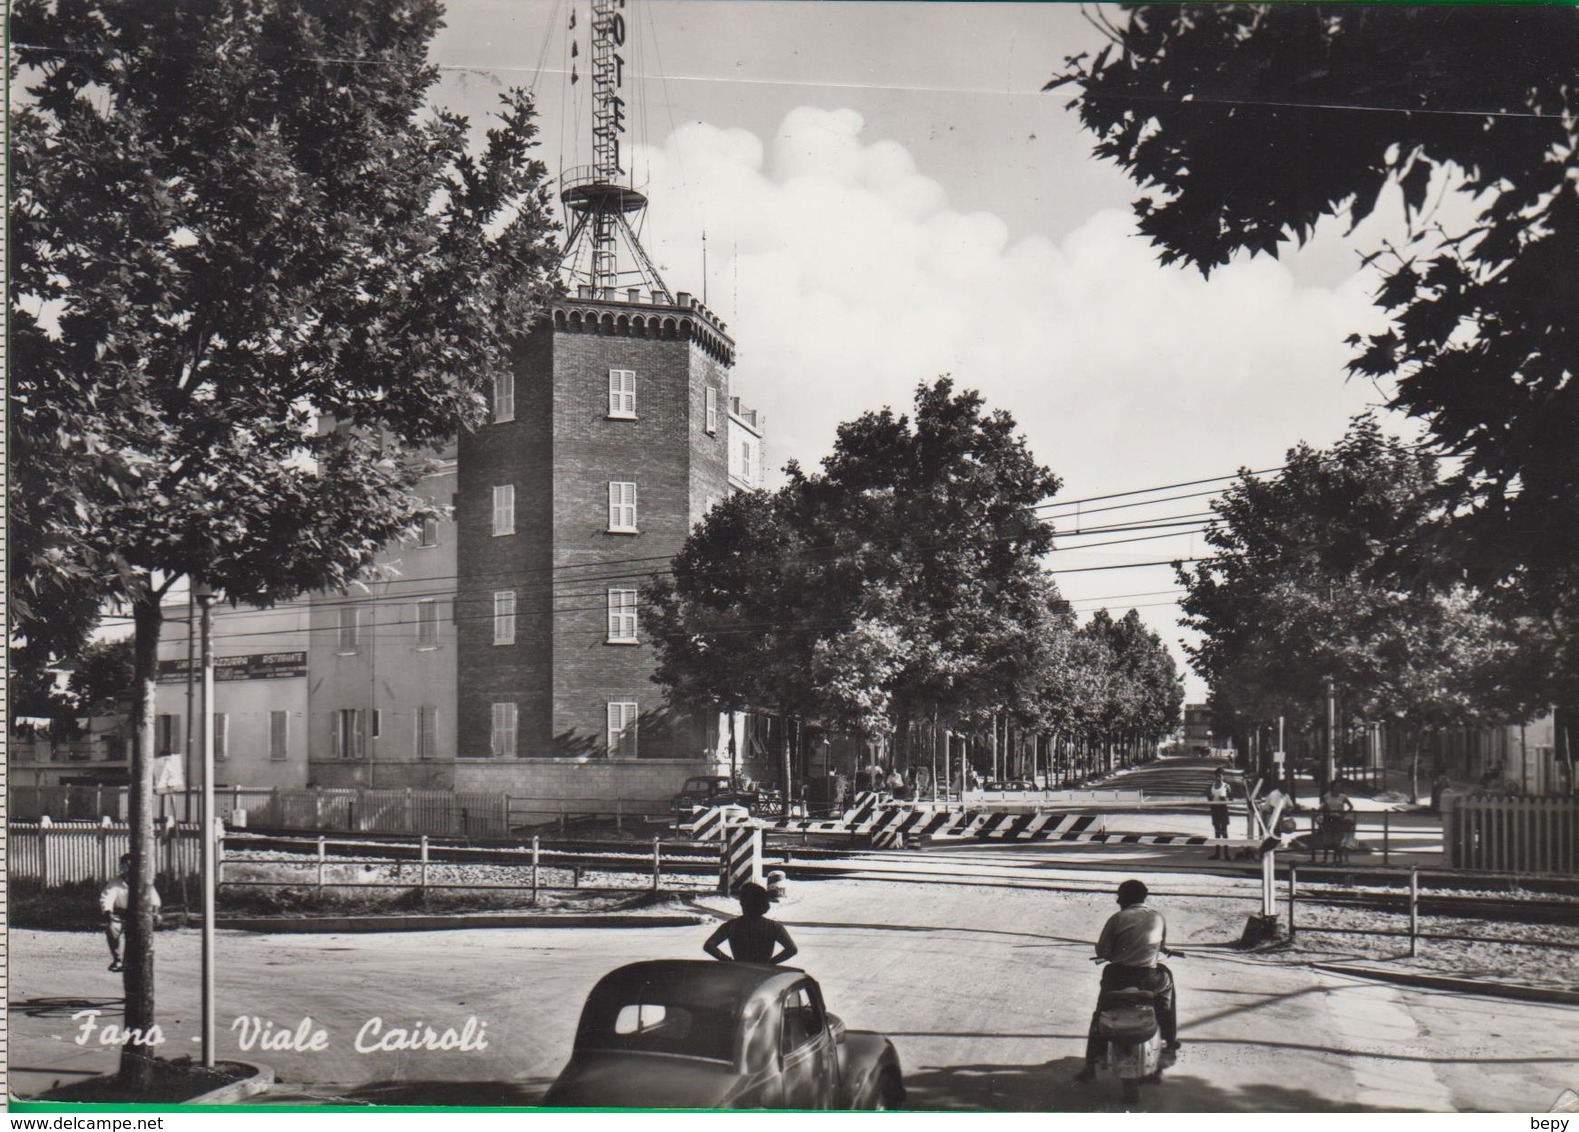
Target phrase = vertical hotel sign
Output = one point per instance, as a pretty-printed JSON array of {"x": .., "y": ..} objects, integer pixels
[
  {"x": 608, "y": 83},
  {"x": 614, "y": 29}
]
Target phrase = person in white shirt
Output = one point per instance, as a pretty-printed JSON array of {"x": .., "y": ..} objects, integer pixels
[
  {"x": 1218, "y": 794},
  {"x": 114, "y": 900},
  {"x": 1131, "y": 941}
]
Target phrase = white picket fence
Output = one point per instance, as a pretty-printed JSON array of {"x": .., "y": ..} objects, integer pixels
[
  {"x": 1509, "y": 834},
  {"x": 60, "y": 853}
]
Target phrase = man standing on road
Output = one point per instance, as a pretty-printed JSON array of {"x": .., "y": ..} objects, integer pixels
[
  {"x": 1218, "y": 794},
  {"x": 1131, "y": 941}
]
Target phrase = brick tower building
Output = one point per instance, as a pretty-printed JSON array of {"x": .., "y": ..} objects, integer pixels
[{"x": 608, "y": 441}]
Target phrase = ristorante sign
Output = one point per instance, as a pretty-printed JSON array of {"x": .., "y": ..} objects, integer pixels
[{"x": 257, "y": 666}]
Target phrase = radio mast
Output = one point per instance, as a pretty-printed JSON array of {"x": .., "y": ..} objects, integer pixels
[{"x": 601, "y": 198}]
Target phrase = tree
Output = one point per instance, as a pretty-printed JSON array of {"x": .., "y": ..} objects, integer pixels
[
  {"x": 232, "y": 219},
  {"x": 1307, "y": 588},
  {"x": 104, "y": 677},
  {"x": 940, "y": 509},
  {"x": 729, "y": 624},
  {"x": 900, "y": 583},
  {"x": 1247, "y": 124}
]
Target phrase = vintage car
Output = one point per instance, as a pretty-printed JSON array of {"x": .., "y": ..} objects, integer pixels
[
  {"x": 682, "y": 1033},
  {"x": 712, "y": 790}
]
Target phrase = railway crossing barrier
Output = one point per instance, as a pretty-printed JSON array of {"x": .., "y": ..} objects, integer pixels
[
  {"x": 709, "y": 824},
  {"x": 741, "y": 859},
  {"x": 898, "y": 825}
]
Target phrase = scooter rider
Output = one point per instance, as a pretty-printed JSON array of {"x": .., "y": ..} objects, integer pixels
[{"x": 1131, "y": 942}]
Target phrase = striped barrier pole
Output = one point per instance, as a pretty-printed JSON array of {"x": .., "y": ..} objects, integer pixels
[{"x": 740, "y": 859}]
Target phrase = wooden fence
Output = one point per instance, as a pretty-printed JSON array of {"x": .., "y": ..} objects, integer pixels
[
  {"x": 1509, "y": 834},
  {"x": 60, "y": 853}
]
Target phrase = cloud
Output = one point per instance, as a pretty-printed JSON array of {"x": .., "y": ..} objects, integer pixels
[{"x": 847, "y": 278}]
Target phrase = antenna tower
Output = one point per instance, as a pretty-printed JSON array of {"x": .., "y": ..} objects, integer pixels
[{"x": 601, "y": 197}]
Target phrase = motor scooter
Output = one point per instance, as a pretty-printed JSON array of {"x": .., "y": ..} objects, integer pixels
[{"x": 1127, "y": 1021}]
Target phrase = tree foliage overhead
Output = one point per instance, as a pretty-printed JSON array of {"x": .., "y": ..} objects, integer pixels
[
  {"x": 230, "y": 220},
  {"x": 1247, "y": 124},
  {"x": 230, "y": 216}
]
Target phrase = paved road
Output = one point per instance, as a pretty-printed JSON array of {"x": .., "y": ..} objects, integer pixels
[{"x": 985, "y": 990}]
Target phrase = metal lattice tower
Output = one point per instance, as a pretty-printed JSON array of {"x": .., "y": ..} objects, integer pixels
[{"x": 600, "y": 195}]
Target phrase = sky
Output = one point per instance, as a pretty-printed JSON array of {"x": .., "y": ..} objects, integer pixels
[{"x": 888, "y": 195}]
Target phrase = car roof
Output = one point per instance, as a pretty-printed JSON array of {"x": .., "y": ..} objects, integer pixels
[{"x": 731, "y": 984}]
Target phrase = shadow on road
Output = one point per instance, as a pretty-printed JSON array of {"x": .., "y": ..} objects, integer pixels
[
  {"x": 931, "y": 929},
  {"x": 66, "y": 1007},
  {"x": 1050, "y": 1087},
  {"x": 448, "y": 1093}
]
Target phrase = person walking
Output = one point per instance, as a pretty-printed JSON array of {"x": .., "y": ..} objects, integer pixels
[
  {"x": 751, "y": 936},
  {"x": 1218, "y": 794}
]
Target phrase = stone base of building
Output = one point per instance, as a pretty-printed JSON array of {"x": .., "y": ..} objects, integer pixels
[
  {"x": 541, "y": 788},
  {"x": 426, "y": 774}
]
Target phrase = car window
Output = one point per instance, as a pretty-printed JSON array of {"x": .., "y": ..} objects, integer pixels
[
  {"x": 661, "y": 1027},
  {"x": 637, "y": 1017},
  {"x": 802, "y": 1020}
]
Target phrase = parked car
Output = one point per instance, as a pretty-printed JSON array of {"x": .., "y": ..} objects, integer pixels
[
  {"x": 680, "y": 1033},
  {"x": 713, "y": 790}
]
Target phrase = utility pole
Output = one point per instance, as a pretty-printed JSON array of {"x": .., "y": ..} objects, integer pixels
[
  {"x": 1332, "y": 736},
  {"x": 191, "y": 676},
  {"x": 205, "y": 598}
]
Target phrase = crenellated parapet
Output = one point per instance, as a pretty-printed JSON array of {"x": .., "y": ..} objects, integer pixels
[{"x": 638, "y": 314}]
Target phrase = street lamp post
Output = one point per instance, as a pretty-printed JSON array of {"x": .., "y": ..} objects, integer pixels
[{"x": 205, "y": 598}]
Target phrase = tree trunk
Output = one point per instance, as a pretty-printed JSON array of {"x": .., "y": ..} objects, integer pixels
[
  {"x": 136, "y": 1068},
  {"x": 934, "y": 746},
  {"x": 788, "y": 754},
  {"x": 902, "y": 736},
  {"x": 1414, "y": 763},
  {"x": 734, "y": 755}
]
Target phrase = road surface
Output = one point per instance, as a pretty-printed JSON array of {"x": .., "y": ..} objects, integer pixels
[{"x": 986, "y": 992}]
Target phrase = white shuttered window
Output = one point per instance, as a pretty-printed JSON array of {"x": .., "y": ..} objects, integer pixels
[
  {"x": 622, "y": 729},
  {"x": 622, "y": 506},
  {"x": 502, "y": 742},
  {"x": 427, "y": 623},
  {"x": 504, "y": 398},
  {"x": 622, "y": 393},
  {"x": 504, "y": 509},
  {"x": 504, "y": 617},
  {"x": 622, "y": 615}
]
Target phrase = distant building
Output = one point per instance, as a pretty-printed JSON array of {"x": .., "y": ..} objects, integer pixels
[
  {"x": 382, "y": 657},
  {"x": 261, "y": 712}
]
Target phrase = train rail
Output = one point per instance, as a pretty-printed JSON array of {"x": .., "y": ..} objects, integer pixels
[{"x": 1317, "y": 886}]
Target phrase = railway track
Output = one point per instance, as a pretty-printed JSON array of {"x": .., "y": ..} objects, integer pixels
[{"x": 803, "y": 862}]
